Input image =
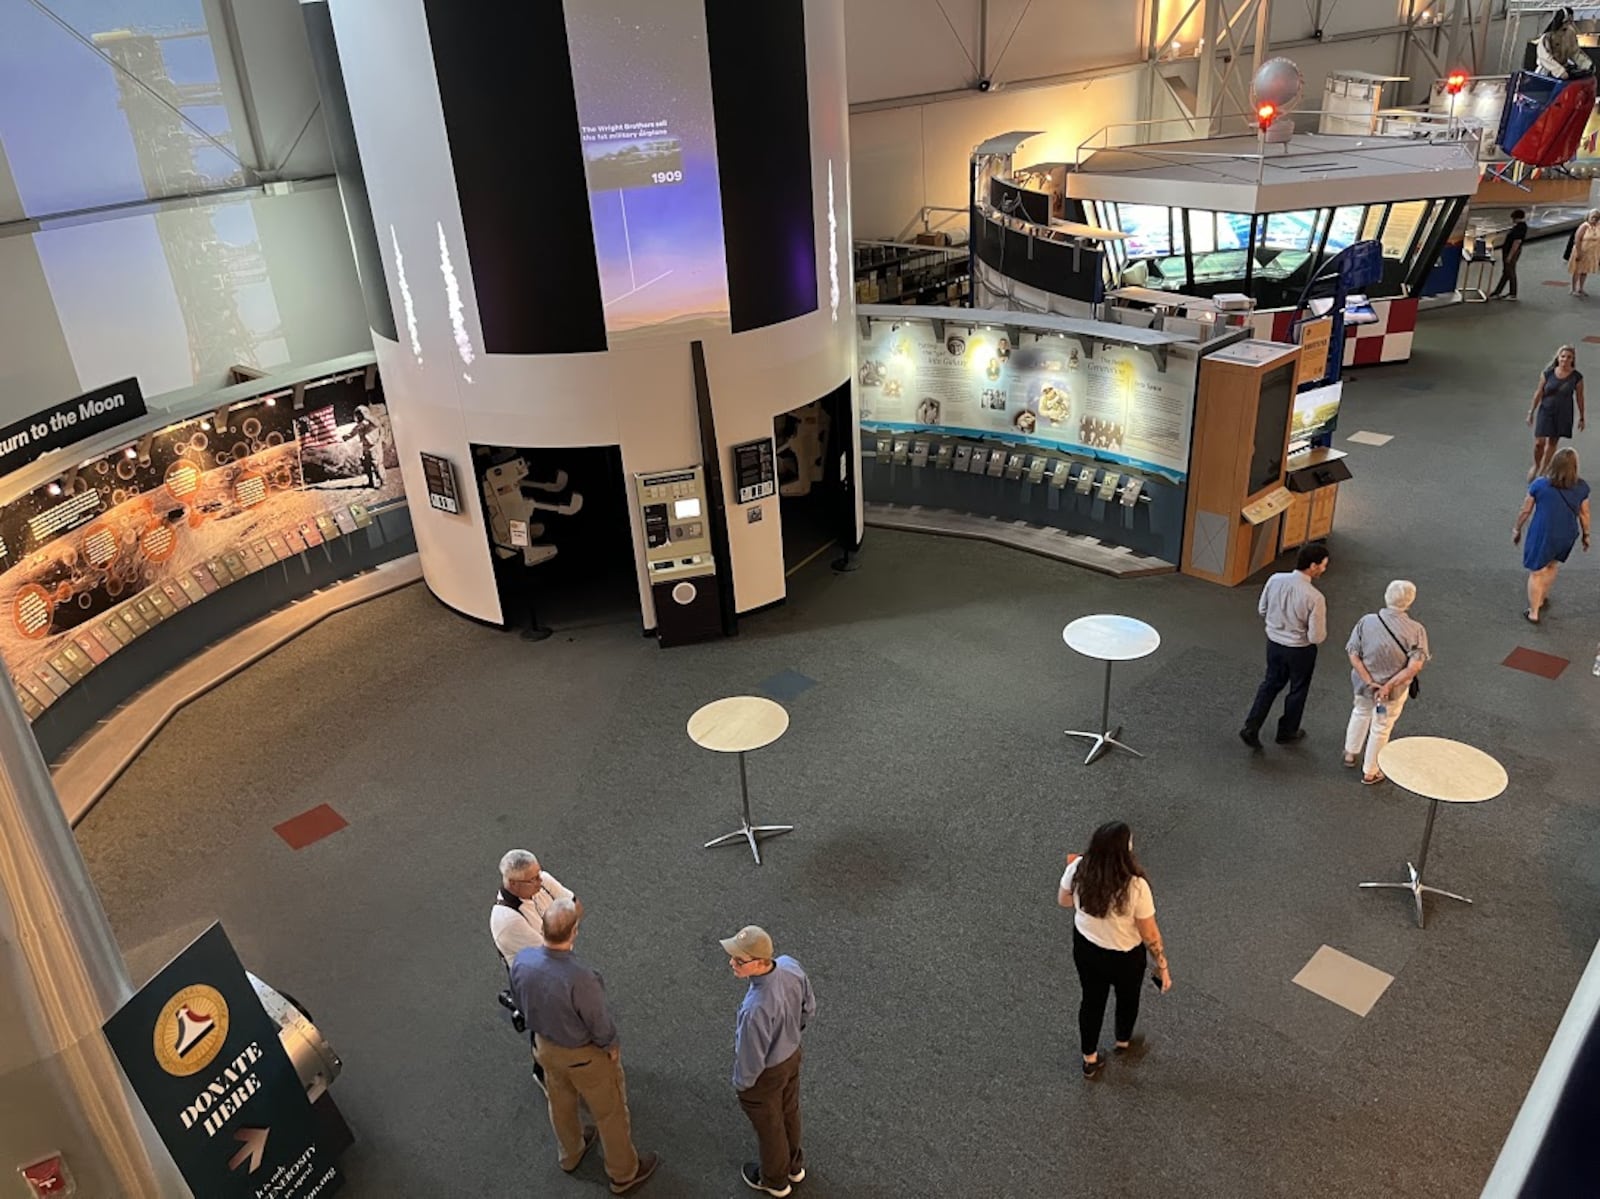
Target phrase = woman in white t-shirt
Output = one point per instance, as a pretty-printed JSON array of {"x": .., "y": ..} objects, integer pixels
[{"x": 1115, "y": 920}]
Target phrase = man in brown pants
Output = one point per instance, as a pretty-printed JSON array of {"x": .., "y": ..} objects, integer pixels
[
  {"x": 766, "y": 1057},
  {"x": 575, "y": 1040}
]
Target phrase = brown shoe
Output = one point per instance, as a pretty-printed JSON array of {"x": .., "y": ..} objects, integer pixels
[{"x": 647, "y": 1166}]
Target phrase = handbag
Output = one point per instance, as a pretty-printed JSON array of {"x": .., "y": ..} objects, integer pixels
[{"x": 1416, "y": 684}]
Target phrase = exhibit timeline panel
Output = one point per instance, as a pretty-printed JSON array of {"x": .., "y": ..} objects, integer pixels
[
  {"x": 1118, "y": 403},
  {"x": 643, "y": 90},
  {"x": 120, "y": 543}
]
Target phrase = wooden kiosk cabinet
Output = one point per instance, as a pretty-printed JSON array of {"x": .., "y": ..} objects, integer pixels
[
  {"x": 1237, "y": 496},
  {"x": 1312, "y": 477}
]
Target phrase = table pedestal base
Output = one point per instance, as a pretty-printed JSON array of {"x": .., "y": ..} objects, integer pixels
[
  {"x": 1417, "y": 888},
  {"x": 747, "y": 832},
  {"x": 751, "y": 833},
  {"x": 1103, "y": 742},
  {"x": 1415, "y": 885}
]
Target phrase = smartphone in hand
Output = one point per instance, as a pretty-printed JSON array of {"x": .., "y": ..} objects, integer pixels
[{"x": 1155, "y": 980}]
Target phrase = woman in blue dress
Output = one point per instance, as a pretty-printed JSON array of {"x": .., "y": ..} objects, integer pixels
[
  {"x": 1560, "y": 391},
  {"x": 1556, "y": 513}
]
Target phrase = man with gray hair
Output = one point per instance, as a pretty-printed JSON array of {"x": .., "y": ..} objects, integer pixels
[
  {"x": 575, "y": 1039},
  {"x": 525, "y": 895}
]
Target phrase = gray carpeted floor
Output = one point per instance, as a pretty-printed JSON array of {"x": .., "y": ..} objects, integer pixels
[{"x": 935, "y": 798}]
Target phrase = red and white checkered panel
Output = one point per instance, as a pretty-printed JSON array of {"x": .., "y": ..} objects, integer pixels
[{"x": 1386, "y": 340}]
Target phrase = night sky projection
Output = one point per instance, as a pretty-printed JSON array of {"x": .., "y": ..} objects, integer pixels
[{"x": 642, "y": 63}]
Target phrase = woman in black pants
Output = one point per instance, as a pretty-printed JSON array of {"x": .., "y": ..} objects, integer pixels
[{"x": 1114, "y": 922}]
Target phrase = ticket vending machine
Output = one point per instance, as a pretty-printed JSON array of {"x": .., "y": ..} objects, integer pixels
[{"x": 676, "y": 514}]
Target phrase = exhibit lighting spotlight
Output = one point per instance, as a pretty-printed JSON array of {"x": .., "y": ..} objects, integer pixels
[
  {"x": 271, "y": 403},
  {"x": 54, "y": 489},
  {"x": 130, "y": 452},
  {"x": 1265, "y": 115},
  {"x": 206, "y": 425}
]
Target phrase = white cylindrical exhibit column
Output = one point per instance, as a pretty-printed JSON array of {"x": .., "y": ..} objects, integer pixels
[{"x": 566, "y": 197}]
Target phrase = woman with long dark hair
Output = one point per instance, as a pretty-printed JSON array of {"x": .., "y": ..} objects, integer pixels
[{"x": 1114, "y": 923}]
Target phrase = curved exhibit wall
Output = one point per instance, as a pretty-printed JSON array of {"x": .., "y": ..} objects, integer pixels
[
  {"x": 124, "y": 555},
  {"x": 638, "y": 393},
  {"x": 1056, "y": 422}
]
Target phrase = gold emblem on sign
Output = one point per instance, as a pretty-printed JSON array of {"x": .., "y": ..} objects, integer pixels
[{"x": 191, "y": 1030}]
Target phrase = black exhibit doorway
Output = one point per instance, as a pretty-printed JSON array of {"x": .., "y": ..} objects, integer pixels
[
  {"x": 815, "y": 479},
  {"x": 559, "y": 531}
]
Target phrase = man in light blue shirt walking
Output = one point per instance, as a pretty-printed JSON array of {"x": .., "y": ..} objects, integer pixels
[
  {"x": 1296, "y": 616},
  {"x": 766, "y": 1056}
]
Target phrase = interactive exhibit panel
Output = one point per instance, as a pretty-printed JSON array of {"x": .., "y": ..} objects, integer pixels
[
  {"x": 675, "y": 510},
  {"x": 98, "y": 558},
  {"x": 977, "y": 411}
]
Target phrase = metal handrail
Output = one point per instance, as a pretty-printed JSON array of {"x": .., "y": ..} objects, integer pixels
[{"x": 1133, "y": 147}]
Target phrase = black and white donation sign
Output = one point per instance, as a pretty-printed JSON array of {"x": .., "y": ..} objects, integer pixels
[{"x": 205, "y": 1060}]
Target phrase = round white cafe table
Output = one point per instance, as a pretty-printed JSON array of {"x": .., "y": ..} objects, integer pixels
[
  {"x": 1109, "y": 639},
  {"x": 737, "y": 725},
  {"x": 1440, "y": 771}
]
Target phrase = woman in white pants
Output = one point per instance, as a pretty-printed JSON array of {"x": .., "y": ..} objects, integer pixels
[{"x": 1387, "y": 650}]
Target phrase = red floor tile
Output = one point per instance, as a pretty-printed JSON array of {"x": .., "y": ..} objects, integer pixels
[
  {"x": 300, "y": 831},
  {"x": 1546, "y": 666},
  {"x": 1592, "y": 338},
  {"x": 1558, "y": 282}
]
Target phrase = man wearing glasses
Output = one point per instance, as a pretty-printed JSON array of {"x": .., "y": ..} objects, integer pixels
[
  {"x": 516, "y": 919},
  {"x": 766, "y": 1056}
]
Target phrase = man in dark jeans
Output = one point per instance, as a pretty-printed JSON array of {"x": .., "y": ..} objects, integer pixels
[
  {"x": 766, "y": 1057},
  {"x": 1296, "y": 616},
  {"x": 1510, "y": 251}
]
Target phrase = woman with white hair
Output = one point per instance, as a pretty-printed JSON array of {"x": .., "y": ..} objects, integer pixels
[
  {"x": 1585, "y": 258},
  {"x": 1387, "y": 649}
]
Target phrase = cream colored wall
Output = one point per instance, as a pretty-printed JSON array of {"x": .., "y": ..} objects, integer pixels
[{"x": 904, "y": 158}]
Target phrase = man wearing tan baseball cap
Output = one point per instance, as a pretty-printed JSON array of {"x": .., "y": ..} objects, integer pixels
[{"x": 766, "y": 1056}]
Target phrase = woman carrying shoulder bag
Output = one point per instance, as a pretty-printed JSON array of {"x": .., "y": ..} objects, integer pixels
[
  {"x": 1387, "y": 649},
  {"x": 1115, "y": 920}
]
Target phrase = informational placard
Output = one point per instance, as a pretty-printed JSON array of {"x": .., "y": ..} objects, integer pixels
[
  {"x": 755, "y": 470},
  {"x": 440, "y": 475},
  {"x": 1315, "y": 337},
  {"x": 205, "y": 1060},
  {"x": 69, "y": 421},
  {"x": 1316, "y": 410},
  {"x": 1048, "y": 390}
]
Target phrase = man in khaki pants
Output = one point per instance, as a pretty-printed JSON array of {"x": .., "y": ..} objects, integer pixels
[{"x": 575, "y": 1040}]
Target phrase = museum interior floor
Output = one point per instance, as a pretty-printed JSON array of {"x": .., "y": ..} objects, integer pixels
[{"x": 934, "y": 797}]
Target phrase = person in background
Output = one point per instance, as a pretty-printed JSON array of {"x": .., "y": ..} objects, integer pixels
[
  {"x": 1510, "y": 251},
  {"x": 1556, "y": 514},
  {"x": 1113, "y": 924},
  {"x": 1585, "y": 258},
  {"x": 777, "y": 1007},
  {"x": 1387, "y": 650},
  {"x": 576, "y": 1040},
  {"x": 1559, "y": 394},
  {"x": 517, "y": 917},
  {"x": 1296, "y": 617}
]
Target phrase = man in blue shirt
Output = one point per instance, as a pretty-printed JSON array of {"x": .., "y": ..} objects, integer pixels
[
  {"x": 766, "y": 1056},
  {"x": 575, "y": 1040}
]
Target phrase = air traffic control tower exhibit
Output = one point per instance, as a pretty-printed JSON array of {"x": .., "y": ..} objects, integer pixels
[{"x": 616, "y": 223}]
